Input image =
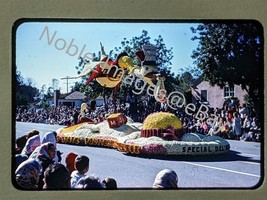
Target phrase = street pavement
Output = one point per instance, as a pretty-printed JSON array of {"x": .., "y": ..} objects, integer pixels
[{"x": 241, "y": 167}]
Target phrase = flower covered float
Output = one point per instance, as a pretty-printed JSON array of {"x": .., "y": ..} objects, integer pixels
[{"x": 161, "y": 133}]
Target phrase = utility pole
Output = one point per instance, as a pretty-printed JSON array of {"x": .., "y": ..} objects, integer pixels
[{"x": 67, "y": 78}]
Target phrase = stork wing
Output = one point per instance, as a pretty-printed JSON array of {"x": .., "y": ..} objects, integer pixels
[{"x": 88, "y": 68}]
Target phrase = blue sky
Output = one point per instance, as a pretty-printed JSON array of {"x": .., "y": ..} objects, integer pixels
[{"x": 41, "y": 61}]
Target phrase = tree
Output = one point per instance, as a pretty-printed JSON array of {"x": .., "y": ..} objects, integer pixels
[
  {"x": 19, "y": 79},
  {"x": 163, "y": 57},
  {"x": 76, "y": 86},
  {"x": 232, "y": 53},
  {"x": 42, "y": 92},
  {"x": 30, "y": 81},
  {"x": 50, "y": 90},
  {"x": 55, "y": 83},
  {"x": 193, "y": 70},
  {"x": 185, "y": 80},
  {"x": 24, "y": 93},
  {"x": 132, "y": 45}
]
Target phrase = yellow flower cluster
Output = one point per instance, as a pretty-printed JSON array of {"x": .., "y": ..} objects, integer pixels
[{"x": 162, "y": 120}]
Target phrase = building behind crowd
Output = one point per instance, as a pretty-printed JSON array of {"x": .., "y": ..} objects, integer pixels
[
  {"x": 214, "y": 96},
  {"x": 72, "y": 99}
]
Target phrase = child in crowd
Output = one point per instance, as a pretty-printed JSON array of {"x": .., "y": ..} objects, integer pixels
[
  {"x": 82, "y": 166},
  {"x": 56, "y": 176},
  {"x": 110, "y": 183},
  {"x": 70, "y": 160},
  {"x": 236, "y": 125},
  {"x": 204, "y": 128},
  {"x": 247, "y": 135},
  {"x": 89, "y": 183},
  {"x": 224, "y": 128}
]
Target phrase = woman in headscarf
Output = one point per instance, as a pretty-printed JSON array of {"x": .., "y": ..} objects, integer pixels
[
  {"x": 21, "y": 141},
  {"x": 45, "y": 157},
  {"x": 48, "y": 137},
  {"x": 28, "y": 173},
  {"x": 166, "y": 179},
  {"x": 19, "y": 159},
  {"x": 31, "y": 144}
]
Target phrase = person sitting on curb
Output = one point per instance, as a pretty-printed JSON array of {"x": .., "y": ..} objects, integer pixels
[
  {"x": 110, "y": 184},
  {"x": 166, "y": 179},
  {"x": 70, "y": 160},
  {"x": 82, "y": 166},
  {"x": 89, "y": 183},
  {"x": 56, "y": 176}
]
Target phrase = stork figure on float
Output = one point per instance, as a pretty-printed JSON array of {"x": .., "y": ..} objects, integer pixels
[{"x": 109, "y": 73}]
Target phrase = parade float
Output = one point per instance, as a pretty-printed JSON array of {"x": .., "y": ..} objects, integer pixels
[{"x": 161, "y": 133}]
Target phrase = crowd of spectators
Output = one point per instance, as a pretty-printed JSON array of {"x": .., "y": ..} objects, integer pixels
[
  {"x": 38, "y": 162},
  {"x": 39, "y": 166},
  {"x": 61, "y": 115},
  {"x": 233, "y": 121}
]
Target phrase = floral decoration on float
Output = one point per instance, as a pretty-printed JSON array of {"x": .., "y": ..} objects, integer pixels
[{"x": 161, "y": 133}]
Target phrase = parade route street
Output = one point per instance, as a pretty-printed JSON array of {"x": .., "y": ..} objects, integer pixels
[{"x": 238, "y": 168}]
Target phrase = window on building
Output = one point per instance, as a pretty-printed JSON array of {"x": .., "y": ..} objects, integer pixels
[
  {"x": 204, "y": 95},
  {"x": 229, "y": 92}
]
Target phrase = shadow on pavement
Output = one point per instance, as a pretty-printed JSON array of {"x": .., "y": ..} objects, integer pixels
[{"x": 228, "y": 156}]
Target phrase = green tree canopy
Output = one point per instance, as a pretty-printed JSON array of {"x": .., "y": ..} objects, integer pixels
[
  {"x": 130, "y": 46},
  {"x": 24, "y": 93},
  {"x": 232, "y": 53}
]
